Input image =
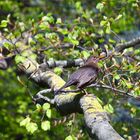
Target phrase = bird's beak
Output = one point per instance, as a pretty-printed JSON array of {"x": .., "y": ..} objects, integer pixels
[{"x": 102, "y": 55}]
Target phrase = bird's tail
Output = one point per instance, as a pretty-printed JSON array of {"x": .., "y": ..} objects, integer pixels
[
  {"x": 69, "y": 83},
  {"x": 59, "y": 90}
]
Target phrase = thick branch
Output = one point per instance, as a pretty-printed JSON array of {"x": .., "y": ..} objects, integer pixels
[
  {"x": 96, "y": 119},
  {"x": 40, "y": 95},
  {"x": 63, "y": 63},
  {"x": 131, "y": 43}
]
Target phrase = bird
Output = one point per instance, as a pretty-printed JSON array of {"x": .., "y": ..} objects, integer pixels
[{"x": 84, "y": 76}]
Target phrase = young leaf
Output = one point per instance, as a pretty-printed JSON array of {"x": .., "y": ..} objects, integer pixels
[
  {"x": 38, "y": 106},
  {"x": 25, "y": 121},
  {"x": 46, "y": 106},
  {"x": 108, "y": 30},
  {"x": 45, "y": 125},
  {"x": 100, "y": 6},
  {"x": 31, "y": 127},
  {"x": 59, "y": 21},
  {"x": 58, "y": 70},
  {"x": 49, "y": 113},
  {"x": 31, "y": 41},
  {"x": 86, "y": 54},
  {"x": 70, "y": 137},
  {"x": 19, "y": 59},
  {"x": 117, "y": 77},
  {"x": 118, "y": 17},
  {"x": 4, "y": 23},
  {"x": 103, "y": 22},
  {"x": 109, "y": 108}
]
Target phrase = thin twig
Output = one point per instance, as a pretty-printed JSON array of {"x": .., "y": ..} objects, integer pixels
[{"x": 114, "y": 89}]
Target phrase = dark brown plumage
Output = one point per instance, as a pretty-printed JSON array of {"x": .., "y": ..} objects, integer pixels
[{"x": 84, "y": 76}]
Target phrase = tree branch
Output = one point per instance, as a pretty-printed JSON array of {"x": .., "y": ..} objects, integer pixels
[
  {"x": 131, "y": 43},
  {"x": 96, "y": 119},
  {"x": 114, "y": 89},
  {"x": 39, "y": 96}
]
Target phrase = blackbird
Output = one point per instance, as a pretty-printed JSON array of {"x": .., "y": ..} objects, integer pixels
[{"x": 84, "y": 76}]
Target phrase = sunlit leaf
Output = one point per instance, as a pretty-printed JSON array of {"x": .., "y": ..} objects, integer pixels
[
  {"x": 70, "y": 137},
  {"x": 118, "y": 17},
  {"x": 45, "y": 125},
  {"x": 46, "y": 106},
  {"x": 25, "y": 121},
  {"x": 100, "y": 6},
  {"x": 109, "y": 108},
  {"x": 4, "y": 23},
  {"x": 31, "y": 127},
  {"x": 58, "y": 70},
  {"x": 86, "y": 54},
  {"x": 48, "y": 113}
]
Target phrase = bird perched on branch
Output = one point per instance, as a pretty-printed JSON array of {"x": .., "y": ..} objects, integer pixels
[{"x": 84, "y": 76}]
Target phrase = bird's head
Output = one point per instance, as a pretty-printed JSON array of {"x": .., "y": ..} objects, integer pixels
[{"x": 93, "y": 61}]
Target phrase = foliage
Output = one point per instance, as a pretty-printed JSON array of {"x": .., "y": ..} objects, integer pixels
[{"x": 92, "y": 25}]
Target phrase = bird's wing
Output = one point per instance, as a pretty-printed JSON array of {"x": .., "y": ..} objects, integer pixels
[
  {"x": 70, "y": 82},
  {"x": 88, "y": 76},
  {"x": 73, "y": 80},
  {"x": 67, "y": 84}
]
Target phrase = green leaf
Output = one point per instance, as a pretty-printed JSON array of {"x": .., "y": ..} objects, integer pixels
[
  {"x": 103, "y": 22},
  {"x": 31, "y": 127},
  {"x": 71, "y": 40},
  {"x": 52, "y": 36},
  {"x": 25, "y": 121},
  {"x": 63, "y": 31},
  {"x": 104, "y": 17},
  {"x": 49, "y": 113},
  {"x": 78, "y": 7},
  {"x": 100, "y": 63},
  {"x": 49, "y": 18},
  {"x": 118, "y": 17},
  {"x": 19, "y": 59},
  {"x": 117, "y": 77},
  {"x": 31, "y": 41},
  {"x": 58, "y": 70},
  {"x": 38, "y": 106},
  {"x": 129, "y": 85},
  {"x": 44, "y": 26},
  {"x": 22, "y": 26},
  {"x": 112, "y": 41},
  {"x": 108, "y": 29},
  {"x": 7, "y": 45},
  {"x": 40, "y": 37},
  {"x": 45, "y": 125},
  {"x": 70, "y": 123},
  {"x": 4, "y": 23},
  {"x": 100, "y": 6},
  {"x": 70, "y": 137},
  {"x": 59, "y": 21},
  {"x": 135, "y": 5},
  {"x": 86, "y": 54},
  {"x": 46, "y": 106},
  {"x": 100, "y": 31},
  {"x": 109, "y": 108}
]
